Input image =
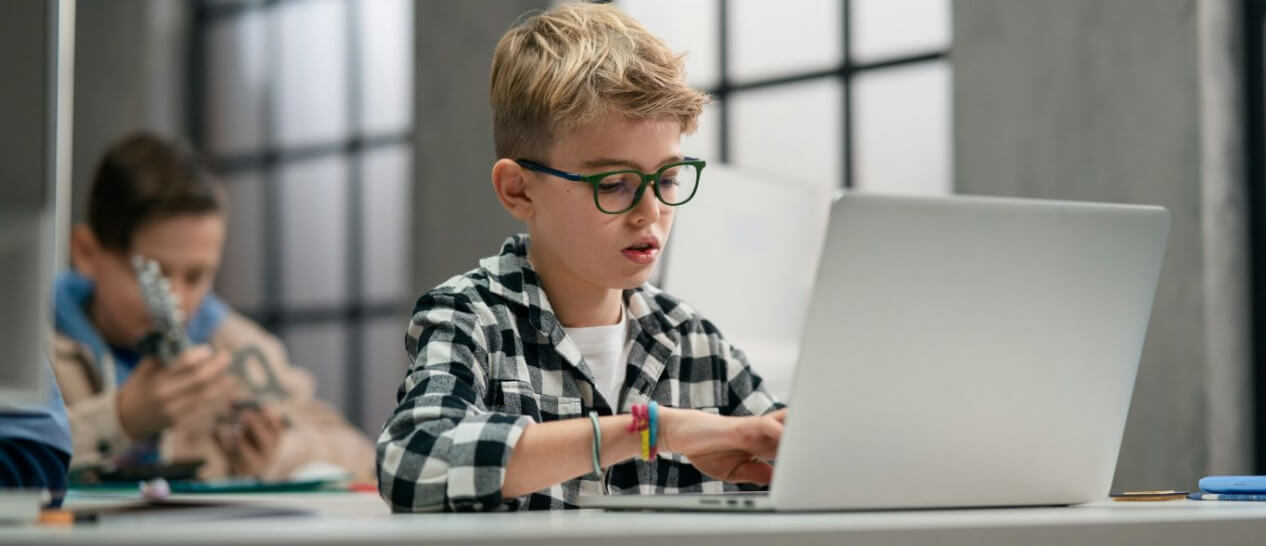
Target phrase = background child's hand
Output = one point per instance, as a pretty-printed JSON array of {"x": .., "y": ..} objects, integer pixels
[
  {"x": 733, "y": 449},
  {"x": 155, "y": 396},
  {"x": 252, "y": 442}
]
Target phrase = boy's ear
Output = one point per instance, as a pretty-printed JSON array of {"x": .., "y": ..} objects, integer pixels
[
  {"x": 85, "y": 250},
  {"x": 510, "y": 182}
]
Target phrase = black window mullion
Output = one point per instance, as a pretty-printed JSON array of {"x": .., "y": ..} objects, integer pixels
[
  {"x": 846, "y": 72},
  {"x": 354, "y": 350},
  {"x": 722, "y": 91},
  {"x": 846, "y": 110},
  {"x": 354, "y": 142},
  {"x": 330, "y": 314},
  {"x": 196, "y": 105},
  {"x": 222, "y": 11},
  {"x": 842, "y": 70},
  {"x": 273, "y": 321},
  {"x": 1254, "y": 18}
]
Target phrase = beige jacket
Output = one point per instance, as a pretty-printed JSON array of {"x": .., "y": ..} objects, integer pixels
[{"x": 317, "y": 433}]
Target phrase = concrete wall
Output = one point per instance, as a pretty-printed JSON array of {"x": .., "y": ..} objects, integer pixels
[
  {"x": 1129, "y": 101},
  {"x": 457, "y": 218},
  {"x": 130, "y": 74},
  {"x": 26, "y": 104},
  {"x": 29, "y": 101},
  {"x": 1228, "y": 369}
]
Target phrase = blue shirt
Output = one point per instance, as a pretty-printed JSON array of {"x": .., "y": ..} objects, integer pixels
[{"x": 35, "y": 441}]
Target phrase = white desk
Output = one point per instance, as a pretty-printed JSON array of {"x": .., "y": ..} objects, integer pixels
[{"x": 353, "y": 521}]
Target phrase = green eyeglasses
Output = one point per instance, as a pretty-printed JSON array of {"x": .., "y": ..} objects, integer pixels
[{"x": 617, "y": 192}]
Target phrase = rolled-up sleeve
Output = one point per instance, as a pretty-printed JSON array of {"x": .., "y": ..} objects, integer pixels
[{"x": 442, "y": 449}]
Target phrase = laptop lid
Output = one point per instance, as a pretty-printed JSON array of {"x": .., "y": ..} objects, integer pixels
[{"x": 968, "y": 351}]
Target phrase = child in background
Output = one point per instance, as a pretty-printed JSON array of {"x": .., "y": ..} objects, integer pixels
[{"x": 149, "y": 198}]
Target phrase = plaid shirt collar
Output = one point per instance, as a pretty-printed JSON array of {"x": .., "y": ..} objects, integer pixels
[{"x": 511, "y": 276}]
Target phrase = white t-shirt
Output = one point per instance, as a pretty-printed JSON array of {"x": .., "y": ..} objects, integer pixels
[{"x": 606, "y": 351}]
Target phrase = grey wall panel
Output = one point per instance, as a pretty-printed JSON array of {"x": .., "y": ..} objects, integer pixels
[
  {"x": 1102, "y": 101},
  {"x": 456, "y": 216}
]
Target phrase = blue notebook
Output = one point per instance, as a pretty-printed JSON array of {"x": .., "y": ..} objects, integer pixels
[{"x": 1261, "y": 497}]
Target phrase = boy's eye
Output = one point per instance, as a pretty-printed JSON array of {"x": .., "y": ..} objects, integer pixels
[
  {"x": 610, "y": 187},
  {"x": 616, "y": 183}
]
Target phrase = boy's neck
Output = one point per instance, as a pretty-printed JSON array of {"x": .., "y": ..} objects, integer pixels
[
  {"x": 576, "y": 303},
  {"x": 104, "y": 326}
]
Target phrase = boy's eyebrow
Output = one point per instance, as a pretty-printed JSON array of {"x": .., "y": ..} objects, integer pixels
[{"x": 612, "y": 162}]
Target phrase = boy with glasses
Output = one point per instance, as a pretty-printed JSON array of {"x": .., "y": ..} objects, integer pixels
[{"x": 553, "y": 370}]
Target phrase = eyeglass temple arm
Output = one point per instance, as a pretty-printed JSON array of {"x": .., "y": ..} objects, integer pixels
[{"x": 547, "y": 170}]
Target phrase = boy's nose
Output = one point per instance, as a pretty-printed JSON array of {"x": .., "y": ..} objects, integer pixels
[
  {"x": 184, "y": 294},
  {"x": 647, "y": 210}
]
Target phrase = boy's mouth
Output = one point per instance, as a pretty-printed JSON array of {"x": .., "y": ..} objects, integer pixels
[{"x": 643, "y": 252}]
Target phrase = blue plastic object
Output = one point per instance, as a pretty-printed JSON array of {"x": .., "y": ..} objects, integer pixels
[{"x": 1233, "y": 484}]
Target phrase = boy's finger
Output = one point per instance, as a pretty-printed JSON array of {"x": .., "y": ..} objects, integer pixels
[
  {"x": 274, "y": 421},
  {"x": 219, "y": 392},
  {"x": 763, "y": 438},
  {"x": 192, "y": 380},
  {"x": 193, "y": 356},
  {"x": 252, "y": 458},
  {"x": 267, "y": 431},
  {"x": 195, "y": 401},
  {"x": 147, "y": 366},
  {"x": 223, "y": 438},
  {"x": 255, "y": 428},
  {"x": 756, "y": 472}
]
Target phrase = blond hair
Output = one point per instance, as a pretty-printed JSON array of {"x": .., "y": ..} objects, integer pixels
[{"x": 568, "y": 65}]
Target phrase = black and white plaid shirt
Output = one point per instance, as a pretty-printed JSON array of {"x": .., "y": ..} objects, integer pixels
[{"x": 489, "y": 358}]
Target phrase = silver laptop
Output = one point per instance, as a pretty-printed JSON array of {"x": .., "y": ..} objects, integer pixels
[{"x": 958, "y": 352}]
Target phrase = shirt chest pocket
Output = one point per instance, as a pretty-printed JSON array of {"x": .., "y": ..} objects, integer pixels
[{"x": 519, "y": 398}]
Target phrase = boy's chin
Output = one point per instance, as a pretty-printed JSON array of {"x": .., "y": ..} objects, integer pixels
[{"x": 633, "y": 281}]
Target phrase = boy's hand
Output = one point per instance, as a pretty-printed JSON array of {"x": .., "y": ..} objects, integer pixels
[
  {"x": 155, "y": 396},
  {"x": 733, "y": 449},
  {"x": 252, "y": 442}
]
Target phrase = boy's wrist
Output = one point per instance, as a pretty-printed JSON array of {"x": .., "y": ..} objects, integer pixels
[
  {"x": 669, "y": 422},
  {"x": 123, "y": 412}
]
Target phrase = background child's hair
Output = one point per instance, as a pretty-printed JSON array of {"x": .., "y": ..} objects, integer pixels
[
  {"x": 143, "y": 178},
  {"x": 565, "y": 66}
]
